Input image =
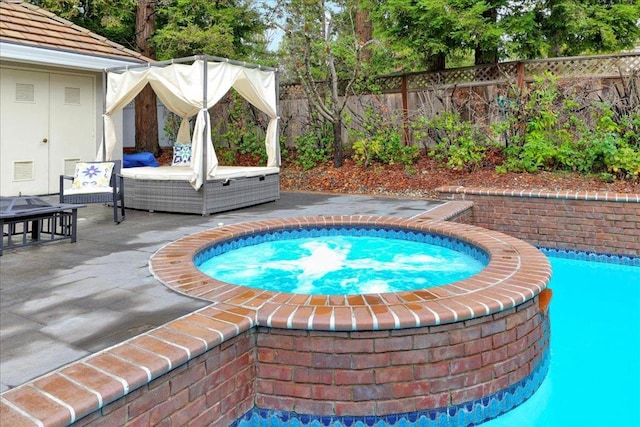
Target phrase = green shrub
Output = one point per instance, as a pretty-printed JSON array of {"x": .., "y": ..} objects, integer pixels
[
  {"x": 624, "y": 162},
  {"x": 556, "y": 137},
  {"x": 226, "y": 156},
  {"x": 313, "y": 148},
  {"x": 380, "y": 140},
  {"x": 242, "y": 133},
  {"x": 459, "y": 143}
]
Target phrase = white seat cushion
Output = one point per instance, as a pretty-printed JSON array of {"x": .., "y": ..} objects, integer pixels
[{"x": 87, "y": 190}]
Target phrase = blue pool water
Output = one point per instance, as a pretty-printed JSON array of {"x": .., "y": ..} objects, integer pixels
[
  {"x": 341, "y": 264},
  {"x": 594, "y": 375}
]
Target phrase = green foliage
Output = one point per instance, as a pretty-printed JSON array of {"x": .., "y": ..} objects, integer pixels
[
  {"x": 380, "y": 140},
  {"x": 250, "y": 143},
  {"x": 171, "y": 125},
  {"x": 415, "y": 32},
  {"x": 571, "y": 27},
  {"x": 113, "y": 19},
  {"x": 322, "y": 51},
  {"x": 421, "y": 30},
  {"x": 243, "y": 135},
  {"x": 459, "y": 143},
  {"x": 630, "y": 129},
  {"x": 625, "y": 161},
  {"x": 319, "y": 40},
  {"x": 313, "y": 148},
  {"x": 226, "y": 156},
  {"x": 227, "y": 28},
  {"x": 556, "y": 138}
]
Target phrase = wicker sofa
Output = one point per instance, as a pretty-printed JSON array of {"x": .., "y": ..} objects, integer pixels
[{"x": 167, "y": 189}]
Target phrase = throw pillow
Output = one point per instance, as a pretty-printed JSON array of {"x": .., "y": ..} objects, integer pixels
[
  {"x": 92, "y": 175},
  {"x": 181, "y": 155}
]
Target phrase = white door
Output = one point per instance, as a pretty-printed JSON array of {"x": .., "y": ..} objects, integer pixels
[
  {"x": 72, "y": 125},
  {"x": 24, "y": 132},
  {"x": 48, "y": 124}
]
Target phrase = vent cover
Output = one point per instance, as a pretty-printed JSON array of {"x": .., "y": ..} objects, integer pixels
[
  {"x": 70, "y": 166},
  {"x": 25, "y": 92},
  {"x": 72, "y": 95},
  {"x": 23, "y": 171}
]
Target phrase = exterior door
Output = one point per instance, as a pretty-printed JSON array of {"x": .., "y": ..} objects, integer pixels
[
  {"x": 48, "y": 124},
  {"x": 24, "y": 132},
  {"x": 72, "y": 125}
]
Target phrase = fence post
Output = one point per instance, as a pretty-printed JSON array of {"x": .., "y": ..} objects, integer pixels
[
  {"x": 405, "y": 111},
  {"x": 520, "y": 72}
]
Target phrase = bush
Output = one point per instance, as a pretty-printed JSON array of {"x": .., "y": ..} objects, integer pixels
[
  {"x": 226, "y": 156},
  {"x": 243, "y": 134},
  {"x": 624, "y": 162},
  {"x": 459, "y": 143},
  {"x": 380, "y": 140},
  {"x": 312, "y": 148},
  {"x": 557, "y": 138}
]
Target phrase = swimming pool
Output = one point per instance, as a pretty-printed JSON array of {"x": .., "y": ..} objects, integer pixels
[
  {"x": 594, "y": 375},
  {"x": 594, "y": 369}
]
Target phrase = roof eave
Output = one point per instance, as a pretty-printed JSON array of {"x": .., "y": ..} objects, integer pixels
[{"x": 54, "y": 57}]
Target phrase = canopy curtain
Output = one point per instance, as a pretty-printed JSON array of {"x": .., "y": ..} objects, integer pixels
[{"x": 180, "y": 88}]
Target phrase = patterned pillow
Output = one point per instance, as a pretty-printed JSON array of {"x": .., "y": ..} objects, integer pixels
[
  {"x": 92, "y": 175},
  {"x": 181, "y": 155}
]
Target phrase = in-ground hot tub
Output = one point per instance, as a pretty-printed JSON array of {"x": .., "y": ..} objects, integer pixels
[{"x": 463, "y": 352}]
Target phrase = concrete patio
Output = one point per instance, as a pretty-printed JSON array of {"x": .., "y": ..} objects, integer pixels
[{"x": 60, "y": 302}]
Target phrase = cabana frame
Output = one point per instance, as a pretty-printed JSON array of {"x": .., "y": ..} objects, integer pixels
[{"x": 205, "y": 188}]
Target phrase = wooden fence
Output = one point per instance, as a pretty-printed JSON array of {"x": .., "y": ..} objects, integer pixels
[{"x": 477, "y": 93}]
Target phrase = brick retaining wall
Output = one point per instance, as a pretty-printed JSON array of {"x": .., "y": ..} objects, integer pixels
[
  {"x": 582, "y": 221},
  {"x": 215, "y": 388},
  {"x": 342, "y": 373},
  {"x": 398, "y": 371}
]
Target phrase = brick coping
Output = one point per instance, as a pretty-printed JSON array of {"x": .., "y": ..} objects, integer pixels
[
  {"x": 516, "y": 273},
  {"x": 544, "y": 194}
]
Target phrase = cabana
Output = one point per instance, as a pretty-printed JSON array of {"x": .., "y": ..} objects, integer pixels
[{"x": 198, "y": 184}]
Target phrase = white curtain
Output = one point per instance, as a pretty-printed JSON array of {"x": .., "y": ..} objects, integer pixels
[
  {"x": 121, "y": 90},
  {"x": 259, "y": 88},
  {"x": 180, "y": 88}
]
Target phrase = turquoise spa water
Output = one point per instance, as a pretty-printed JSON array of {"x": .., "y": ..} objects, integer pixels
[
  {"x": 342, "y": 264},
  {"x": 594, "y": 375}
]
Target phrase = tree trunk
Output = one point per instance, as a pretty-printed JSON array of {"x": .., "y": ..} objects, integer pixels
[
  {"x": 484, "y": 57},
  {"x": 436, "y": 62},
  {"x": 364, "y": 31},
  {"x": 338, "y": 151},
  {"x": 147, "y": 122},
  {"x": 145, "y": 103}
]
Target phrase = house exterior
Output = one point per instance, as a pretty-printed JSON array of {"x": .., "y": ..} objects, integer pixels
[{"x": 51, "y": 96}]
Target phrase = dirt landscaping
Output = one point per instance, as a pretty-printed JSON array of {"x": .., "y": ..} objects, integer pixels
[{"x": 428, "y": 175}]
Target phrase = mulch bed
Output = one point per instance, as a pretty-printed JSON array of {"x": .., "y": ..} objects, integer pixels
[{"x": 423, "y": 178}]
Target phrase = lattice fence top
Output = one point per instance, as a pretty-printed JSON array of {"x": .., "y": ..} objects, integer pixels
[
  {"x": 583, "y": 67},
  {"x": 597, "y": 66}
]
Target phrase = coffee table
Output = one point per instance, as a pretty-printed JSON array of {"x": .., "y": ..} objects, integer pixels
[{"x": 29, "y": 220}]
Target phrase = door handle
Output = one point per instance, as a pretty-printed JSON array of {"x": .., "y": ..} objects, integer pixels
[{"x": 45, "y": 140}]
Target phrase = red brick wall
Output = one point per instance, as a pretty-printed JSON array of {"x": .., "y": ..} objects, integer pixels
[
  {"x": 343, "y": 373},
  {"x": 607, "y": 223},
  {"x": 387, "y": 372},
  {"x": 215, "y": 388}
]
